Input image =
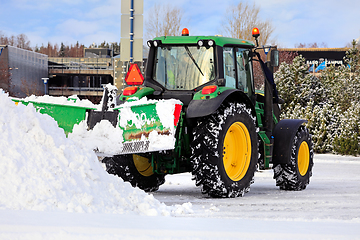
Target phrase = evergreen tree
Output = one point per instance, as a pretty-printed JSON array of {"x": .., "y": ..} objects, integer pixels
[
  {"x": 62, "y": 50},
  {"x": 348, "y": 139},
  {"x": 307, "y": 98},
  {"x": 352, "y": 58},
  {"x": 330, "y": 102}
]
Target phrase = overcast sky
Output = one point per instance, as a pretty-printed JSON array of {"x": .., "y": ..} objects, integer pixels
[{"x": 335, "y": 23}]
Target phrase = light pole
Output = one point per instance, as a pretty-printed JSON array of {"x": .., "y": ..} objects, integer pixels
[{"x": 45, "y": 80}]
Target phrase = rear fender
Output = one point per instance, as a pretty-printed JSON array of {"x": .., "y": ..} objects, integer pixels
[
  {"x": 206, "y": 107},
  {"x": 284, "y": 133}
]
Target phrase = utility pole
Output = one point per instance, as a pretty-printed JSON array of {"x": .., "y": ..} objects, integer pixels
[
  {"x": 131, "y": 30},
  {"x": 131, "y": 49}
]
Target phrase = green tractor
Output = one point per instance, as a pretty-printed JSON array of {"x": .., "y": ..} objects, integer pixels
[{"x": 224, "y": 129}]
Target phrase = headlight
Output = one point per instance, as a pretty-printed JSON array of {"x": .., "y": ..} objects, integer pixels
[
  {"x": 155, "y": 43},
  {"x": 206, "y": 43}
]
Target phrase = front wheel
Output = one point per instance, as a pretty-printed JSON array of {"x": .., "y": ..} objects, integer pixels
[
  {"x": 295, "y": 175},
  {"x": 224, "y": 151},
  {"x": 134, "y": 169}
]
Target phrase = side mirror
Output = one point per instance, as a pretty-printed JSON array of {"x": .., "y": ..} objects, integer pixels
[{"x": 274, "y": 58}]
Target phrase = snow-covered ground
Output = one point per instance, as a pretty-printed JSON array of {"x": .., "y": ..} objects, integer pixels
[
  {"x": 53, "y": 187},
  {"x": 328, "y": 209},
  {"x": 333, "y": 194}
]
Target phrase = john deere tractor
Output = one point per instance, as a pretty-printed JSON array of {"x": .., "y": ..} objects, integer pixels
[{"x": 224, "y": 129}]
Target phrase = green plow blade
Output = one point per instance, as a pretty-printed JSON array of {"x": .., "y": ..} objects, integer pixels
[{"x": 66, "y": 116}]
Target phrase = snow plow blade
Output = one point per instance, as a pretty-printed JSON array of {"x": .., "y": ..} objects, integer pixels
[
  {"x": 148, "y": 125},
  {"x": 66, "y": 116}
]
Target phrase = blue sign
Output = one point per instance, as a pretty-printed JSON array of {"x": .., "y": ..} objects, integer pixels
[
  {"x": 322, "y": 66},
  {"x": 311, "y": 68}
]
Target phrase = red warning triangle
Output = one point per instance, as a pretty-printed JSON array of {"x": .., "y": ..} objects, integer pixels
[{"x": 134, "y": 76}]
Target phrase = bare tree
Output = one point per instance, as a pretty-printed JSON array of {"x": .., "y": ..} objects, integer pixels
[
  {"x": 19, "y": 41},
  {"x": 164, "y": 21},
  {"x": 30, "y": 87},
  {"x": 76, "y": 50},
  {"x": 2, "y": 38},
  {"x": 311, "y": 45},
  {"x": 50, "y": 50},
  {"x": 241, "y": 19},
  {"x": 23, "y": 42},
  {"x": 5, "y": 76},
  {"x": 284, "y": 56}
]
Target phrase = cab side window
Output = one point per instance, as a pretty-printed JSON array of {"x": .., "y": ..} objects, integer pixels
[
  {"x": 229, "y": 68},
  {"x": 244, "y": 73},
  {"x": 241, "y": 72}
]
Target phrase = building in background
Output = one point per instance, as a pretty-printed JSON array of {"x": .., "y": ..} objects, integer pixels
[
  {"x": 97, "y": 53},
  {"x": 22, "y": 71},
  {"x": 86, "y": 76},
  {"x": 317, "y": 56}
]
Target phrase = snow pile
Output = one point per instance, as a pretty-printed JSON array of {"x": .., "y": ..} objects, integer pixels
[
  {"x": 41, "y": 169},
  {"x": 103, "y": 138}
]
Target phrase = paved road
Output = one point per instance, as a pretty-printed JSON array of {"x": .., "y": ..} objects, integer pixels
[{"x": 333, "y": 194}]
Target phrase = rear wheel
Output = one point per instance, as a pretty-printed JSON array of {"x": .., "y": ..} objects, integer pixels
[
  {"x": 134, "y": 169},
  {"x": 296, "y": 174},
  {"x": 224, "y": 151}
]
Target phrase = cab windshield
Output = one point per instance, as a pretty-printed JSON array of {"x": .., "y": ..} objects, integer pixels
[{"x": 183, "y": 67}]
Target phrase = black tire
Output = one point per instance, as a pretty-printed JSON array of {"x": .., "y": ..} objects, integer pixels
[
  {"x": 142, "y": 176},
  {"x": 296, "y": 174},
  {"x": 229, "y": 171}
]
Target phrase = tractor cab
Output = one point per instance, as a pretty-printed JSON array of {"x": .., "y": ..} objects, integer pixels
[{"x": 184, "y": 65}]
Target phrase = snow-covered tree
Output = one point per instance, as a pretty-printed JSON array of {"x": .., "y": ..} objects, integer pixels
[
  {"x": 352, "y": 58},
  {"x": 289, "y": 79},
  {"x": 330, "y": 102},
  {"x": 306, "y": 98},
  {"x": 348, "y": 139}
]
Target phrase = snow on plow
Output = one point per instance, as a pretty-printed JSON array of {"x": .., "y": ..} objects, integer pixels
[
  {"x": 65, "y": 111},
  {"x": 148, "y": 125}
]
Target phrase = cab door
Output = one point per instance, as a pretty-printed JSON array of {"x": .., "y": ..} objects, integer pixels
[{"x": 244, "y": 75}]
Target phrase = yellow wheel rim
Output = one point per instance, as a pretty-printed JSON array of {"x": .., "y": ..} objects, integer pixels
[
  {"x": 303, "y": 158},
  {"x": 237, "y": 151},
  {"x": 143, "y": 165}
]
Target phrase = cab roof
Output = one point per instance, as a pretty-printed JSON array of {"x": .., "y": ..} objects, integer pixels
[{"x": 219, "y": 41}]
